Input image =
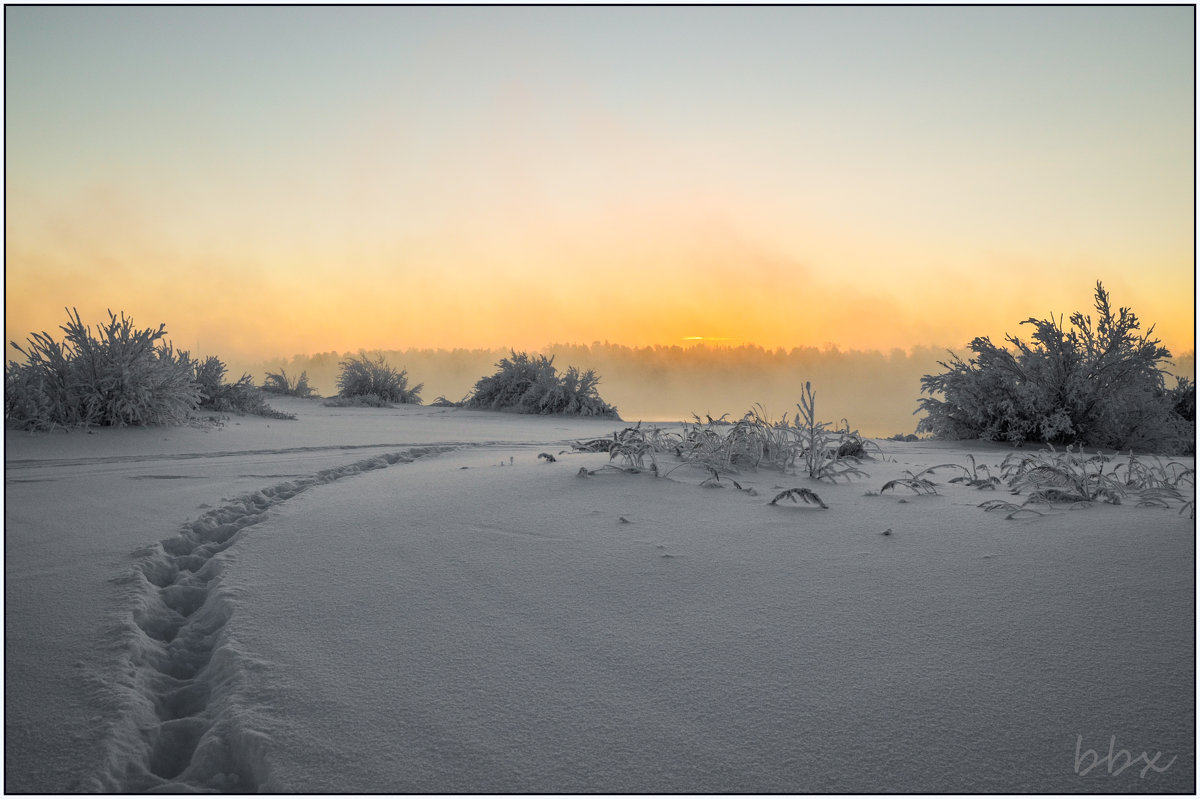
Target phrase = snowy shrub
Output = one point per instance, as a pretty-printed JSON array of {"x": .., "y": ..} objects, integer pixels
[
  {"x": 750, "y": 442},
  {"x": 754, "y": 442},
  {"x": 1068, "y": 476},
  {"x": 532, "y": 385},
  {"x": 1073, "y": 476},
  {"x": 280, "y": 383},
  {"x": 119, "y": 376},
  {"x": 240, "y": 397},
  {"x": 365, "y": 377},
  {"x": 826, "y": 451},
  {"x": 634, "y": 445},
  {"x": 1097, "y": 383},
  {"x": 210, "y": 378},
  {"x": 1183, "y": 399}
]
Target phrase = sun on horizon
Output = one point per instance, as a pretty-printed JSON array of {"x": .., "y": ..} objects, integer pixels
[{"x": 488, "y": 177}]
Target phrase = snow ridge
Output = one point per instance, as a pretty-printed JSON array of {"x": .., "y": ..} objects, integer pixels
[
  {"x": 104, "y": 460},
  {"x": 182, "y": 688}
]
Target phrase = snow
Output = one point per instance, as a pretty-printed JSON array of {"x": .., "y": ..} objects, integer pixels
[{"x": 411, "y": 600}]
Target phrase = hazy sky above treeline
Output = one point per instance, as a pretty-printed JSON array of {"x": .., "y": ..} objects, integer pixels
[{"x": 278, "y": 180}]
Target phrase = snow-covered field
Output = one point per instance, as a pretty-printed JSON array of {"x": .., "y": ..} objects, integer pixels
[{"x": 411, "y": 600}]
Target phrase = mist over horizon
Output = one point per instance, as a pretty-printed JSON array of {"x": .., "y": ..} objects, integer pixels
[
  {"x": 876, "y": 392},
  {"x": 838, "y": 182}
]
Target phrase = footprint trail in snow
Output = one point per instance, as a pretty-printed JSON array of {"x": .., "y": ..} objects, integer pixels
[{"x": 177, "y": 698}]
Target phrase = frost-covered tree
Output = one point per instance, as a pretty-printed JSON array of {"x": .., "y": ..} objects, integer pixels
[
  {"x": 532, "y": 385},
  {"x": 280, "y": 383},
  {"x": 362, "y": 376},
  {"x": 118, "y": 375},
  {"x": 1097, "y": 382},
  {"x": 241, "y": 396}
]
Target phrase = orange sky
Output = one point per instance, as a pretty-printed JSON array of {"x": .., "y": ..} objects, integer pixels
[{"x": 516, "y": 177}]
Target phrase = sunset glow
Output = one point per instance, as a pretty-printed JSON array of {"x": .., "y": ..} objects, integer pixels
[{"x": 273, "y": 181}]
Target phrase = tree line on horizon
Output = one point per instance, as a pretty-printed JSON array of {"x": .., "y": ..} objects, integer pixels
[{"x": 1100, "y": 382}]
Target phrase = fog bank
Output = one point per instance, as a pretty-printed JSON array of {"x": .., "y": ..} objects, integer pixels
[{"x": 876, "y": 392}]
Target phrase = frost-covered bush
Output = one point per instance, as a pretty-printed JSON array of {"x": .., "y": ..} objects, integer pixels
[
  {"x": 239, "y": 397},
  {"x": 787, "y": 445},
  {"x": 119, "y": 376},
  {"x": 1183, "y": 399},
  {"x": 362, "y": 376},
  {"x": 532, "y": 385},
  {"x": 1097, "y": 383},
  {"x": 280, "y": 383}
]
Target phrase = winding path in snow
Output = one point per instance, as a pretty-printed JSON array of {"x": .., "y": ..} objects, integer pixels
[{"x": 178, "y": 726}]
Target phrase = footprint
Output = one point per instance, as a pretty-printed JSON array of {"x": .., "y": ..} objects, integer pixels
[{"x": 178, "y": 668}]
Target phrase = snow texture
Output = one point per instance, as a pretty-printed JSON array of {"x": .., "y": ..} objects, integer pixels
[{"x": 295, "y": 606}]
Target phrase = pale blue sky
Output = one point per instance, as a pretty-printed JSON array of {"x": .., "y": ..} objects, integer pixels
[{"x": 833, "y": 144}]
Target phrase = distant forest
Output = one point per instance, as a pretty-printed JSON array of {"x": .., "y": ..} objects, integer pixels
[{"x": 876, "y": 392}]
